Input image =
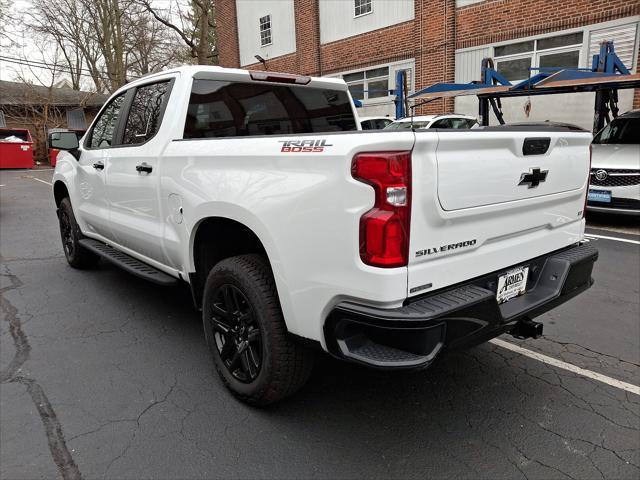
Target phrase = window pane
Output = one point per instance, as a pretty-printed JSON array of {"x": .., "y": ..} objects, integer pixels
[
  {"x": 350, "y": 77},
  {"x": 514, "y": 48},
  {"x": 515, "y": 69},
  {"x": 444, "y": 123},
  {"x": 102, "y": 133},
  {"x": 144, "y": 115},
  {"x": 561, "y": 41},
  {"x": 362, "y": 7},
  {"x": 378, "y": 72},
  {"x": 379, "y": 88},
  {"x": 564, "y": 59},
  {"x": 357, "y": 90},
  {"x": 224, "y": 109}
]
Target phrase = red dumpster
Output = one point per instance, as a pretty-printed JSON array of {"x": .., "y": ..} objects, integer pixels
[{"x": 16, "y": 148}]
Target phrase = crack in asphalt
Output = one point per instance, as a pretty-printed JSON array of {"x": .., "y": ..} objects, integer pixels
[{"x": 53, "y": 429}]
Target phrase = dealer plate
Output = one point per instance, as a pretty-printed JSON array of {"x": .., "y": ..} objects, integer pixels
[
  {"x": 603, "y": 196},
  {"x": 512, "y": 284}
]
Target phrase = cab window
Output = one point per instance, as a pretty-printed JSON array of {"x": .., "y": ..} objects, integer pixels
[
  {"x": 103, "y": 131},
  {"x": 145, "y": 113}
]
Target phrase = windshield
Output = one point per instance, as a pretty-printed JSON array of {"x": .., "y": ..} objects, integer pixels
[{"x": 620, "y": 131}]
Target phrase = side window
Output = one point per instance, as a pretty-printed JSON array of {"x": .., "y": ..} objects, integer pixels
[
  {"x": 101, "y": 135},
  {"x": 444, "y": 123},
  {"x": 145, "y": 113}
]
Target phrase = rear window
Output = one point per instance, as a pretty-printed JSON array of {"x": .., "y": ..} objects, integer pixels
[
  {"x": 620, "y": 131},
  {"x": 234, "y": 109}
]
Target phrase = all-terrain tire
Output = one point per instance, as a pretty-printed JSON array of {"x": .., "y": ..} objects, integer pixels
[
  {"x": 285, "y": 365},
  {"x": 77, "y": 256}
]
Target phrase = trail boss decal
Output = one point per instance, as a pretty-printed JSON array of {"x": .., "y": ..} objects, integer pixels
[
  {"x": 445, "y": 248},
  {"x": 296, "y": 146}
]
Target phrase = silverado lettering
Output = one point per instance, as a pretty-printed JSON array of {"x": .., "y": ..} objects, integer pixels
[{"x": 445, "y": 248}]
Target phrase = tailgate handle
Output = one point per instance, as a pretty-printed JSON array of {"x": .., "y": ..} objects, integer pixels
[{"x": 536, "y": 145}]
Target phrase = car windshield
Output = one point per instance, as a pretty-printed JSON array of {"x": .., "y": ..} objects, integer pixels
[
  {"x": 406, "y": 125},
  {"x": 620, "y": 131}
]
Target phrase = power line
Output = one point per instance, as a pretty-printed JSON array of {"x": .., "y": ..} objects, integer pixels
[{"x": 59, "y": 68}]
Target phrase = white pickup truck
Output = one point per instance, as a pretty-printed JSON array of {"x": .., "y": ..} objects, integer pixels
[{"x": 297, "y": 232}]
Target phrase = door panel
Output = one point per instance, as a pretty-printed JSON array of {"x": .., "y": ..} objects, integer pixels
[
  {"x": 133, "y": 175},
  {"x": 92, "y": 205}
]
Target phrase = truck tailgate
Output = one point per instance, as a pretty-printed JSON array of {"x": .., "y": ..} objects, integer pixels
[{"x": 479, "y": 204}]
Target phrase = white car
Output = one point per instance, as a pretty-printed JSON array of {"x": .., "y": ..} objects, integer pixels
[
  {"x": 374, "y": 123},
  {"x": 615, "y": 167},
  {"x": 450, "y": 120},
  {"x": 298, "y": 232}
]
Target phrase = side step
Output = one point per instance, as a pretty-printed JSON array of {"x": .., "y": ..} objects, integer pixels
[{"x": 127, "y": 263}]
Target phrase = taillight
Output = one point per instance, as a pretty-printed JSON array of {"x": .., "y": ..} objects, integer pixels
[
  {"x": 586, "y": 194},
  {"x": 384, "y": 230}
]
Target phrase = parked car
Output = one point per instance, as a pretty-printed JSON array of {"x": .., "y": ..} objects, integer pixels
[
  {"x": 451, "y": 120},
  {"x": 374, "y": 123},
  {"x": 615, "y": 167},
  {"x": 297, "y": 232}
]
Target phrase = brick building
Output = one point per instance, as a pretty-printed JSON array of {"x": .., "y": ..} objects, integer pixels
[{"x": 366, "y": 41}]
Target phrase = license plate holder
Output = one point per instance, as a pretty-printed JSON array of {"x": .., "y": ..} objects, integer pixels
[
  {"x": 512, "y": 284},
  {"x": 602, "y": 196}
]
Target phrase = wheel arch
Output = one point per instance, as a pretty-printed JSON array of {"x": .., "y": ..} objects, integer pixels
[
  {"x": 215, "y": 238},
  {"x": 60, "y": 192}
]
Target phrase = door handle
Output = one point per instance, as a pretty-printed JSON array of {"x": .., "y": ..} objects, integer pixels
[
  {"x": 144, "y": 167},
  {"x": 98, "y": 166}
]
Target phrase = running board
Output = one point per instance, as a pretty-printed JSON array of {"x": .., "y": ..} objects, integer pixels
[{"x": 128, "y": 263}]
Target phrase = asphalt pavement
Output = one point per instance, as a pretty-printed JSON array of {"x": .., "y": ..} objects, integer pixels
[{"x": 105, "y": 375}]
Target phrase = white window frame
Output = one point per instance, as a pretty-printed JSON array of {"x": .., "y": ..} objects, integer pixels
[
  {"x": 408, "y": 64},
  {"x": 536, "y": 53},
  {"x": 363, "y": 3},
  {"x": 265, "y": 30}
]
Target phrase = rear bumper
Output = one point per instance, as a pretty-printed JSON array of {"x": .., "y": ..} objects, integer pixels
[{"x": 463, "y": 315}]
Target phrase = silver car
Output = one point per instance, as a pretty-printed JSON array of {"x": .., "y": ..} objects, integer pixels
[{"x": 615, "y": 167}]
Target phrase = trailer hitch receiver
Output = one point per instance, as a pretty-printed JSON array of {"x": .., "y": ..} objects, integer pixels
[{"x": 527, "y": 328}]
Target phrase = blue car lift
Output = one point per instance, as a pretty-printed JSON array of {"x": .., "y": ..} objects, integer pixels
[{"x": 606, "y": 75}]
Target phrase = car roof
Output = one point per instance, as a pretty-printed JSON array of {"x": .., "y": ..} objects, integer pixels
[{"x": 362, "y": 119}]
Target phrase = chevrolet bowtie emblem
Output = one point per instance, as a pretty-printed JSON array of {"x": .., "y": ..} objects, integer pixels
[{"x": 534, "y": 177}]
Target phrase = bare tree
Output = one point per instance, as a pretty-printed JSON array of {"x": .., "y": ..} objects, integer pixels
[{"x": 194, "y": 22}]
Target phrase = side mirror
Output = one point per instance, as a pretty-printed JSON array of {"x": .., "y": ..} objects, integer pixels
[{"x": 65, "y": 141}]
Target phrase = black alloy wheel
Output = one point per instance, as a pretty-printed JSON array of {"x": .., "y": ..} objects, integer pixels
[
  {"x": 236, "y": 333},
  {"x": 66, "y": 231}
]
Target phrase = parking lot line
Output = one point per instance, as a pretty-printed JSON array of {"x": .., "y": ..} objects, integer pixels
[
  {"x": 566, "y": 366},
  {"x": 605, "y": 237},
  {"x": 41, "y": 181}
]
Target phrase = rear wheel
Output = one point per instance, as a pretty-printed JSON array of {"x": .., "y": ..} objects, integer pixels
[
  {"x": 245, "y": 330},
  {"x": 77, "y": 256}
]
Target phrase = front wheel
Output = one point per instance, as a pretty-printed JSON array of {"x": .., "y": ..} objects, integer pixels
[
  {"x": 246, "y": 333},
  {"x": 77, "y": 256}
]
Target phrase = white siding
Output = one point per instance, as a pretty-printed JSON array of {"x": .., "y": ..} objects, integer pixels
[
  {"x": 337, "y": 19},
  {"x": 468, "y": 64},
  {"x": 283, "y": 29},
  {"x": 466, "y": 3},
  {"x": 624, "y": 41}
]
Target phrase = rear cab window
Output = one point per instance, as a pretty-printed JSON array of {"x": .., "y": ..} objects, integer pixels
[{"x": 234, "y": 109}]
